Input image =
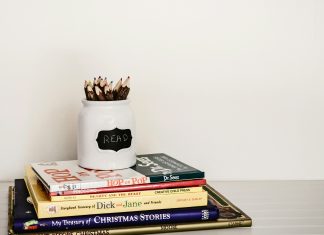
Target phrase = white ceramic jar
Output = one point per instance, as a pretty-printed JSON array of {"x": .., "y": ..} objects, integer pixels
[{"x": 106, "y": 135}]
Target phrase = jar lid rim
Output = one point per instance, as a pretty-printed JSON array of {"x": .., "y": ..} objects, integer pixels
[{"x": 104, "y": 103}]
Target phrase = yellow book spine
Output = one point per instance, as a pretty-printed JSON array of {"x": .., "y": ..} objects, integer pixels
[
  {"x": 102, "y": 206},
  {"x": 126, "y": 194}
]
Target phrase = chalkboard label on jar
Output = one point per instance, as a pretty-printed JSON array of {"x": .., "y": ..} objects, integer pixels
[{"x": 115, "y": 139}]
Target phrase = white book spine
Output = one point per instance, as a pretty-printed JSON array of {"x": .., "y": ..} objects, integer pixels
[{"x": 97, "y": 184}]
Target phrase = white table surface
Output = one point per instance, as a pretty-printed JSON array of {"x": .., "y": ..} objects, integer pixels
[{"x": 276, "y": 207}]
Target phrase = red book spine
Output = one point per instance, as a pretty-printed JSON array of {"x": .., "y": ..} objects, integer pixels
[{"x": 138, "y": 187}]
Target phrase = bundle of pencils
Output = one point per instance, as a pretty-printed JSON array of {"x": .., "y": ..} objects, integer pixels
[{"x": 101, "y": 90}]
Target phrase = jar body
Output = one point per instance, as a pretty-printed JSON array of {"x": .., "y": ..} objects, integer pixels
[{"x": 106, "y": 135}]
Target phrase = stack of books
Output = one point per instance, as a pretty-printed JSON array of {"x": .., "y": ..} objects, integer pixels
[{"x": 158, "y": 194}]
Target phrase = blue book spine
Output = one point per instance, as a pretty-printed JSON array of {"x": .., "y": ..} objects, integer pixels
[{"x": 117, "y": 219}]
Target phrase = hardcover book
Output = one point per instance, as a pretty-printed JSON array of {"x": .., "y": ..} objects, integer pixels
[
  {"x": 129, "y": 188},
  {"x": 45, "y": 208},
  {"x": 25, "y": 218},
  {"x": 61, "y": 176},
  {"x": 126, "y": 194},
  {"x": 229, "y": 216}
]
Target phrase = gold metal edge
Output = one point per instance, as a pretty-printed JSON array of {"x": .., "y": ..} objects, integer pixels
[
  {"x": 212, "y": 189},
  {"x": 10, "y": 209}
]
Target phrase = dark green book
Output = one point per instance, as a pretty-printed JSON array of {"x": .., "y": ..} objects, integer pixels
[
  {"x": 160, "y": 167},
  {"x": 61, "y": 176}
]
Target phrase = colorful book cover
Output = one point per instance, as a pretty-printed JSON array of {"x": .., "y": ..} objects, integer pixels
[
  {"x": 136, "y": 187},
  {"x": 45, "y": 208},
  {"x": 150, "y": 168},
  {"x": 229, "y": 216},
  {"x": 25, "y": 218}
]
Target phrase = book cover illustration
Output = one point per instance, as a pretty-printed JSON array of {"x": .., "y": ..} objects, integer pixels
[
  {"x": 25, "y": 218},
  {"x": 60, "y": 176},
  {"x": 229, "y": 216}
]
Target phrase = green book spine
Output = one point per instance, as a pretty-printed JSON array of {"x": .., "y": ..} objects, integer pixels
[{"x": 177, "y": 176}]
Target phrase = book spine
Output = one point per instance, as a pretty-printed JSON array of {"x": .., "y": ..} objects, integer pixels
[
  {"x": 128, "y": 188},
  {"x": 162, "y": 228},
  {"x": 120, "y": 219},
  {"x": 98, "y": 184},
  {"x": 126, "y": 194},
  {"x": 130, "y": 181},
  {"x": 177, "y": 176},
  {"x": 114, "y": 205}
]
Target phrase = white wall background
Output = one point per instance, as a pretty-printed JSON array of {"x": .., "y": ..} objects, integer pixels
[{"x": 235, "y": 88}]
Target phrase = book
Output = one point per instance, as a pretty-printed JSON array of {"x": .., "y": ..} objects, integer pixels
[
  {"x": 60, "y": 176},
  {"x": 45, "y": 208},
  {"x": 136, "y": 187},
  {"x": 229, "y": 216},
  {"x": 125, "y": 194},
  {"x": 25, "y": 218}
]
